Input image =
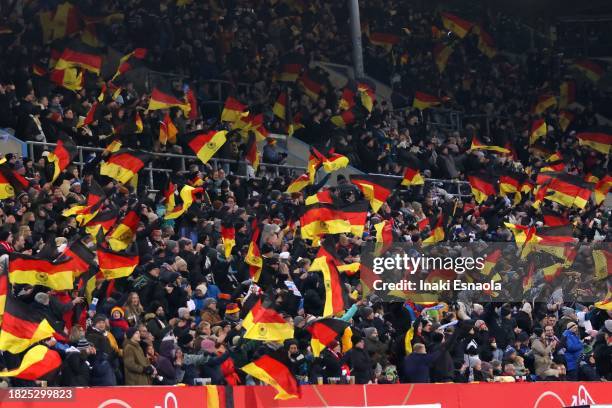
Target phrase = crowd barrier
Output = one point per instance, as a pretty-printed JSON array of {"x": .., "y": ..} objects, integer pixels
[{"x": 498, "y": 395}]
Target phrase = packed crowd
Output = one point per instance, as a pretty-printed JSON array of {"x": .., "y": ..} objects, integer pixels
[{"x": 178, "y": 317}]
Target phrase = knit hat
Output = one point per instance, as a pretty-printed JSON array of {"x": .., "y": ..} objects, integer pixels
[
  {"x": 42, "y": 298},
  {"x": 82, "y": 343},
  {"x": 366, "y": 311},
  {"x": 98, "y": 318},
  {"x": 608, "y": 326},
  {"x": 356, "y": 338},
  {"x": 170, "y": 245},
  {"x": 232, "y": 308},
  {"x": 570, "y": 325},
  {"x": 368, "y": 331},
  {"x": 567, "y": 311},
  {"x": 184, "y": 339},
  {"x": 130, "y": 332},
  {"x": 208, "y": 345},
  {"x": 183, "y": 313},
  {"x": 209, "y": 301},
  {"x": 117, "y": 309}
]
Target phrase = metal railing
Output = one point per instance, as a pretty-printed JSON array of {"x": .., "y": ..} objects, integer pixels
[
  {"x": 455, "y": 188},
  {"x": 216, "y": 163},
  {"x": 220, "y": 89}
]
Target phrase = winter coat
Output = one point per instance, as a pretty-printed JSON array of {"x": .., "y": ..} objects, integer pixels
[
  {"x": 331, "y": 363},
  {"x": 360, "y": 364},
  {"x": 102, "y": 373},
  {"x": 542, "y": 355},
  {"x": 603, "y": 356},
  {"x": 573, "y": 350},
  {"x": 165, "y": 362},
  {"x": 212, "y": 368},
  {"x": 135, "y": 363},
  {"x": 415, "y": 368},
  {"x": 75, "y": 369},
  {"x": 442, "y": 367}
]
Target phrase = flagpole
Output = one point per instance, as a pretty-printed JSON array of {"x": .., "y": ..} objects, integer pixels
[{"x": 356, "y": 39}]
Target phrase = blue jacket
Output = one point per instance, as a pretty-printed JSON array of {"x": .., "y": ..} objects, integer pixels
[
  {"x": 573, "y": 350},
  {"x": 416, "y": 367}
]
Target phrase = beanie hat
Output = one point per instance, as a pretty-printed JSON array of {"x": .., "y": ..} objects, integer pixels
[
  {"x": 117, "y": 309},
  {"x": 82, "y": 343},
  {"x": 366, "y": 311},
  {"x": 98, "y": 318},
  {"x": 368, "y": 331},
  {"x": 183, "y": 313},
  {"x": 130, "y": 332},
  {"x": 356, "y": 338},
  {"x": 170, "y": 245},
  {"x": 567, "y": 311},
  {"x": 184, "y": 339},
  {"x": 42, "y": 298},
  {"x": 209, "y": 301},
  {"x": 208, "y": 345},
  {"x": 232, "y": 308}
]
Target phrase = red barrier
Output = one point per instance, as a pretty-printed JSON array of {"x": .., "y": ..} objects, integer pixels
[{"x": 507, "y": 395}]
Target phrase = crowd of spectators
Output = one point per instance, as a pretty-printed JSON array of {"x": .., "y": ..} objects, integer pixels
[{"x": 178, "y": 317}]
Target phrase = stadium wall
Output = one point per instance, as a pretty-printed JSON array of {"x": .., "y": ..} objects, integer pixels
[{"x": 499, "y": 395}]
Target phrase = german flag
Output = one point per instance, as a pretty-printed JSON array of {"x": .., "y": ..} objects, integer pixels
[
  {"x": 543, "y": 103},
  {"x": 228, "y": 236},
  {"x": 554, "y": 162},
  {"x": 124, "y": 233},
  {"x": 590, "y": 69},
  {"x": 441, "y": 54},
  {"x": 321, "y": 219},
  {"x": 323, "y": 332},
  {"x": 82, "y": 258},
  {"x": 347, "y": 100},
  {"x": 384, "y": 236},
  {"x": 22, "y": 326},
  {"x": 124, "y": 164},
  {"x": 315, "y": 160},
  {"x": 565, "y": 189},
  {"x": 11, "y": 182},
  {"x": 483, "y": 186},
  {"x": 168, "y": 196},
  {"x": 25, "y": 269},
  {"x": 602, "y": 260},
  {"x": 490, "y": 261},
  {"x": 167, "y": 130},
  {"x": 334, "y": 290},
  {"x": 273, "y": 369},
  {"x": 553, "y": 219},
  {"x": 80, "y": 56},
  {"x": 344, "y": 119},
  {"x": 510, "y": 183},
  {"x": 280, "y": 105},
  {"x": 252, "y": 123},
  {"x": 412, "y": 177},
  {"x": 384, "y": 40},
  {"x": 61, "y": 22},
  {"x": 3, "y": 293},
  {"x": 557, "y": 241},
  {"x": 114, "y": 265},
  {"x": 602, "y": 188},
  {"x": 529, "y": 277},
  {"x": 251, "y": 154},
  {"x": 69, "y": 78},
  {"x": 567, "y": 94},
  {"x": 253, "y": 257},
  {"x": 104, "y": 220},
  {"x": 334, "y": 161},
  {"x": 205, "y": 145},
  {"x": 266, "y": 324},
  {"x": 538, "y": 129},
  {"x": 438, "y": 233},
  {"x": 130, "y": 61},
  {"x": 477, "y": 144},
  {"x": 295, "y": 124},
  {"x": 322, "y": 197},
  {"x": 311, "y": 86},
  {"x": 62, "y": 156},
  {"x": 376, "y": 189},
  {"x": 424, "y": 101},
  {"x": 290, "y": 69},
  {"x": 598, "y": 138},
  {"x": 367, "y": 95},
  {"x": 90, "y": 117},
  {"x": 486, "y": 43},
  {"x": 299, "y": 184},
  {"x": 187, "y": 196},
  {"x": 233, "y": 110},
  {"x": 164, "y": 99},
  {"x": 456, "y": 24},
  {"x": 38, "y": 362},
  {"x": 565, "y": 119},
  {"x": 356, "y": 214}
]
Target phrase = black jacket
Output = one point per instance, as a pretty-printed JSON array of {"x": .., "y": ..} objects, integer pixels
[
  {"x": 75, "y": 370},
  {"x": 360, "y": 364}
]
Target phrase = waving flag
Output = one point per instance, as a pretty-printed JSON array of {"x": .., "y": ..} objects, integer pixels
[
  {"x": 565, "y": 119},
  {"x": 25, "y": 269},
  {"x": 22, "y": 326},
  {"x": 163, "y": 98},
  {"x": 599, "y": 139},
  {"x": 456, "y": 24},
  {"x": 253, "y": 257},
  {"x": 123, "y": 234},
  {"x": 124, "y": 164},
  {"x": 376, "y": 189},
  {"x": 590, "y": 69},
  {"x": 423, "y": 101},
  {"x": 299, "y": 184},
  {"x": 81, "y": 56},
  {"x": 483, "y": 186},
  {"x": 187, "y": 196},
  {"x": 36, "y": 363},
  {"x": 167, "y": 131},
  {"x": 205, "y": 145},
  {"x": 114, "y": 265},
  {"x": 273, "y": 369},
  {"x": 334, "y": 289},
  {"x": 538, "y": 129},
  {"x": 280, "y": 105},
  {"x": 323, "y": 332},
  {"x": 477, "y": 144},
  {"x": 567, "y": 94},
  {"x": 228, "y": 235},
  {"x": 233, "y": 110},
  {"x": 264, "y": 323},
  {"x": 441, "y": 54},
  {"x": 62, "y": 156}
]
